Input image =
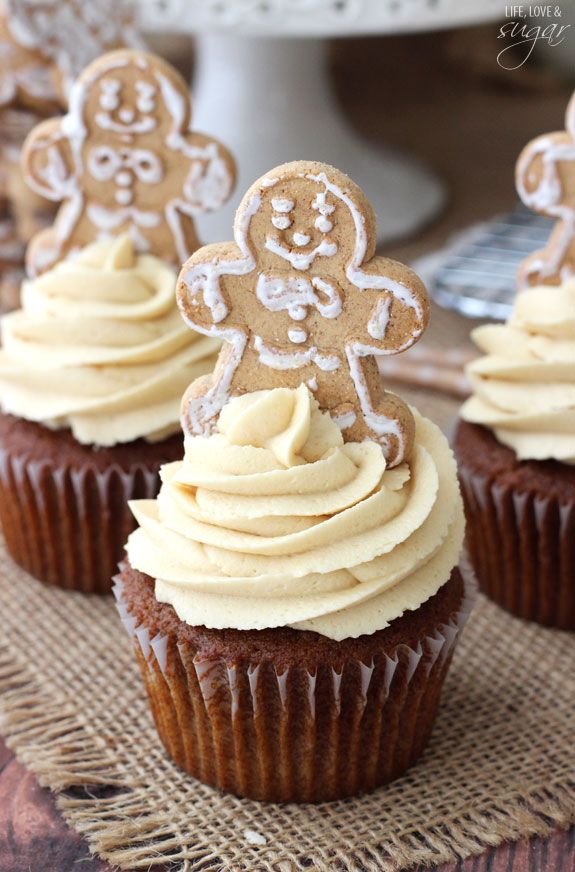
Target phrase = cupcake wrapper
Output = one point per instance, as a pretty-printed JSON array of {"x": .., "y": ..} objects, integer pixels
[
  {"x": 522, "y": 548},
  {"x": 292, "y": 735},
  {"x": 68, "y": 527}
]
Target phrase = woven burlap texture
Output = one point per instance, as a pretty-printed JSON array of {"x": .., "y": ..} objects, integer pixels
[{"x": 499, "y": 766}]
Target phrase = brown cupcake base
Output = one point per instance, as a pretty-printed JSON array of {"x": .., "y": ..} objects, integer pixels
[
  {"x": 520, "y": 527},
  {"x": 286, "y": 715},
  {"x": 63, "y": 505}
]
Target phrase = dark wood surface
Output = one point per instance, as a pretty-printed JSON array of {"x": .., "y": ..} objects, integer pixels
[{"x": 470, "y": 119}]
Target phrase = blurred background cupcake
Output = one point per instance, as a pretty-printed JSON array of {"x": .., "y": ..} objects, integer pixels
[
  {"x": 515, "y": 447},
  {"x": 92, "y": 368}
]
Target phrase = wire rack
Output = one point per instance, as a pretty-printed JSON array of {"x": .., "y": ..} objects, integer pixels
[{"x": 477, "y": 275}]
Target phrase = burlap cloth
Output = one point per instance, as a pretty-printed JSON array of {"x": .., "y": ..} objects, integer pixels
[{"x": 499, "y": 766}]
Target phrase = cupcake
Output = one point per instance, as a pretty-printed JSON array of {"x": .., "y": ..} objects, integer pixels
[
  {"x": 92, "y": 368},
  {"x": 293, "y": 593},
  {"x": 515, "y": 446}
]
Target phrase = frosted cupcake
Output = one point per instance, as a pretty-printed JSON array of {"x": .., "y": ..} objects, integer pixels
[
  {"x": 293, "y": 593},
  {"x": 516, "y": 452},
  {"x": 91, "y": 373}
]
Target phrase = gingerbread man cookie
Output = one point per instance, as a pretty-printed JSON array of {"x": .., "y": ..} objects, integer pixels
[
  {"x": 300, "y": 297},
  {"x": 45, "y": 45},
  {"x": 545, "y": 178},
  {"x": 124, "y": 160}
]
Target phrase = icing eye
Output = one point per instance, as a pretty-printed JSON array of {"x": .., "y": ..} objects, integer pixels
[
  {"x": 109, "y": 101},
  {"x": 300, "y": 239},
  {"x": 146, "y": 104},
  {"x": 109, "y": 90},
  {"x": 324, "y": 224},
  {"x": 320, "y": 205},
  {"x": 282, "y": 205},
  {"x": 282, "y": 222}
]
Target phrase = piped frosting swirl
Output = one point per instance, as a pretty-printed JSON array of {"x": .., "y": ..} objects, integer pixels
[
  {"x": 99, "y": 346},
  {"x": 275, "y": 521},
  {"x": 524, "y": 386}
]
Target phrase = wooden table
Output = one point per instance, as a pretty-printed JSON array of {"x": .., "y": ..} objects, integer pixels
[{"x": 454, "y": 108}]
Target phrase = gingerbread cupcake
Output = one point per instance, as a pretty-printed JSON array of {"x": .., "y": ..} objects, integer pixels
[
  {"x": 94, "y": 363},
  {"x": 293, "y": 593},
  {"x": 516, "y": 442}
]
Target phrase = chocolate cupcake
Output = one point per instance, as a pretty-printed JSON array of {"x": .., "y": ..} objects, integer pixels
[
  {"x": 293, "y": 592},
  {"x": 91, "y": 373},
  {"x": 515, "y": 447}
]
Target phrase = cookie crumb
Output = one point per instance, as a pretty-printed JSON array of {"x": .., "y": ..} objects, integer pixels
[{"x": 252, "y": 837}]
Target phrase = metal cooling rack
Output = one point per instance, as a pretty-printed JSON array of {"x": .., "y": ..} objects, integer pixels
[{"x": 477, "y": 275}]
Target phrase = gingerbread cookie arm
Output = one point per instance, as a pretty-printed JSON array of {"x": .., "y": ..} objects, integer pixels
[
  {"x": 537, "y": 175},
  {"x": 398, "y": 306},
  {"x": 201, "y": 294},
  {"x": 47, "y": 161},
  {"x": 209, "y": 183},
  {"x": 545, "y": 179}
]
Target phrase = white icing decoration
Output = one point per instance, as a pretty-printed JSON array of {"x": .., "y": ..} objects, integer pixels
[
  {"x": 323, "y": 224},
  {"x": 123, "y": 178},
  {"x": 347, "y": 419},
  {"x": 312, "y": 383},
  {"x": 301, "y": 239},
  {"x": 354, "y": 272},
  {"x": 281, "y": 204},
  {"x": 268, "y": 182},
  {"x": 126, "y": 115},
  {"x": 123, "y": 196},
  {"x": 281, "y": 222},
  {"x": 377, "y": 324},
  {"x": 109, "y": 219},
  {"x": 300, "y": 259},
  {"x": 203, "y": 279},
  {"x": 297, "y": 336},
  {"x": 277, "y": 358},
  {"x": 382, "y": 426},
  {"x": 295, "y": 294},
  {"x": 103, "y": 162}
]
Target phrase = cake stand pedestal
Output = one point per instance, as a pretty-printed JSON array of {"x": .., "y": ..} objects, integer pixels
[
  {"x": 269, "y": 99},
  {"x": 262, "y": 87}
]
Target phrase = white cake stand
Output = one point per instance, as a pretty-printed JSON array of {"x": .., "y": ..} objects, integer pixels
[{"x": 261, "y": 86}]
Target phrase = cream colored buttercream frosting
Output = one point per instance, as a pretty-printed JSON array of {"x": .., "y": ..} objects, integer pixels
[
  {"x": 99, "y": 346},
  {"x": 274, "y": 521},
  {"x": 524, "y": 388}
]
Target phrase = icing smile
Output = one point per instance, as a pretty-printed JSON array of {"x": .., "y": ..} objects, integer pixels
[
  {"x": 141, "y": 125},
  {"x": 300, "y": 259}
]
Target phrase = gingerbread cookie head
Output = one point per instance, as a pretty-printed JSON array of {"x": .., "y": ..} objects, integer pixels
[
  {"x": 300, "y": 297},
  {"x": 545, "y": 178},
  {"x": 46, "y": 45},
  {"x": 124, "y": 160}
]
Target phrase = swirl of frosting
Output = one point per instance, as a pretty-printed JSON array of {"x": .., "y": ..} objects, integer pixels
[
  {"x": 275, "y": 521},
  {"x": 524, "y": 388},
  {"x": 99, "y": 346}
]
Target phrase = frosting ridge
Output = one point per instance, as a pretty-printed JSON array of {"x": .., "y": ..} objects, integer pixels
[
  {"x": 99, "y": 346},
  {"x": 275, "y": 521},
  {"x": 524, "y": 386}
]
